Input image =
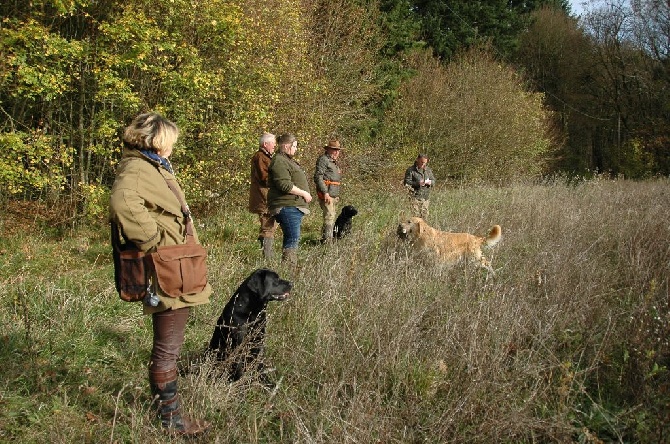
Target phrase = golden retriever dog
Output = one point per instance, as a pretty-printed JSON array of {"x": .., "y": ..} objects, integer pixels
[{"x": 449, "y": 248}]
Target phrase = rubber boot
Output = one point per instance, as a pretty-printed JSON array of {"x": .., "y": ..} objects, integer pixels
[
  {"x": 268, "y": 252},
  {"x": 289, "y": 256},
  {"x": 164, "y": 390},
  {"x": 327, "y": 233}
]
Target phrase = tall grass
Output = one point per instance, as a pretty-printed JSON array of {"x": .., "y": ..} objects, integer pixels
[{"x": 568, "y": 342}]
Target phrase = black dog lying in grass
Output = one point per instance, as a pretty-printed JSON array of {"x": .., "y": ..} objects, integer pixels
[
  {"x": 343, "y": 222},
  {"x": 240, "y": 330}
]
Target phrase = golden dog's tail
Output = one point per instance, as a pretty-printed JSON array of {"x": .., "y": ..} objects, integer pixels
[{"x": 494, "y": 236}]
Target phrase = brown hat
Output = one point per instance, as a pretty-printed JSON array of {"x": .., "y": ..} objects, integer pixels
[{"x": 333, "y": 145}]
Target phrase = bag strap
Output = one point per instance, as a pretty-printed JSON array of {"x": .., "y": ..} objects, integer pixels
[
  {"x": 116, "y": 236},
  {"x": 190, "y": 238}
]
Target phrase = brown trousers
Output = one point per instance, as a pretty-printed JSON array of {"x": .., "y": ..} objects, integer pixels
[
  {"x": 268, "y": 226},
  {"x": 169, "y": 327}
]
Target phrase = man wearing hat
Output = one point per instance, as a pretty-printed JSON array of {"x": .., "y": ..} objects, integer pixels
[{"x": 328, "y": 177}]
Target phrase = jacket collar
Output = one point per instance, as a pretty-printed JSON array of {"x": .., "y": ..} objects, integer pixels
[
  {"x": 292, "y": 159},
  {"x": 149, "y": 156}
]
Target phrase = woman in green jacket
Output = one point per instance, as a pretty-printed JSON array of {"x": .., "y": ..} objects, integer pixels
[
  {"x": 148, "y": 214},
  {"x": 288, "y": 195}
]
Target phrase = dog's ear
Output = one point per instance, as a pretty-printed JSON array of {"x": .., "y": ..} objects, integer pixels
[
  {"x": 421, "y": 225},
  {"x": 256, "y": 282}
]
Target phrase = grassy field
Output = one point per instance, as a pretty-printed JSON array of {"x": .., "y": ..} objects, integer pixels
[{"x": 568, "y": 342}]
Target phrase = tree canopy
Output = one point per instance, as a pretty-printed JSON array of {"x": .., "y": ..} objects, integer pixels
[{"x": 459, "y": 79}]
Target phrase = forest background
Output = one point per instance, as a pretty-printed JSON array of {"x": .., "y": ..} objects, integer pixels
[{"x": 492, "y": 91}]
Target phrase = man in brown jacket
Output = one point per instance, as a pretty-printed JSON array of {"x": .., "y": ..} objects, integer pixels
[
  {"x": 258, "y": 193},
  {"x": 328, "y": 179}
]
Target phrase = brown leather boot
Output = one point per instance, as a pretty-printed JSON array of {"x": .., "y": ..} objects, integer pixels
[{"x": 164, "y": 389}]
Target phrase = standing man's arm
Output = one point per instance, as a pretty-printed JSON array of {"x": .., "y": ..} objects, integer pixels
[
  {"x": 410, "y": 180},
  {"x": 320, "y": 176},
  {"x": 431, "y": 176},
  {"x": 259, "y": 171}
]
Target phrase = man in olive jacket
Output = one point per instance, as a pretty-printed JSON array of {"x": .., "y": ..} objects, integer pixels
[
  {"x": 328, "y": 179},
  {"x": 419, "y": 179},
  {"x": 258, "y": 192}
]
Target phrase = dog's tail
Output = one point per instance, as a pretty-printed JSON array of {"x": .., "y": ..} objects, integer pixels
[{"x": 494, "y": 236}]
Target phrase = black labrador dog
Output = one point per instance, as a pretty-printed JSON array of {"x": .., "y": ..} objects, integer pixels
[
  {"x": 240, "y": 330},
  {"x": 343, "y": 222}
]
